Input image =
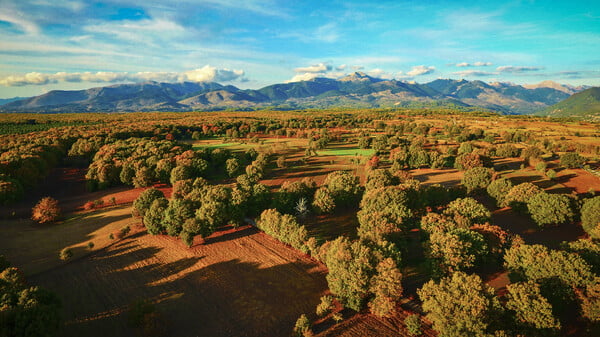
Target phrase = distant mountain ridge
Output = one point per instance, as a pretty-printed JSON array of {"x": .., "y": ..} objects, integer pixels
[
  {"x": 355, "y": 90},
  {"x": 584, "y": 104}
]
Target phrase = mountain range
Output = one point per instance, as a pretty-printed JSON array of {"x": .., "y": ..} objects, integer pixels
[
  {"x": 584, "y": 104},
  {"x": 355, "y": 90}
]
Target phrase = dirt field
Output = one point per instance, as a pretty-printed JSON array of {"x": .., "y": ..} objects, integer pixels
[
  {"x": 240, "y": 283},
  {"x": 362, "y": 325}
]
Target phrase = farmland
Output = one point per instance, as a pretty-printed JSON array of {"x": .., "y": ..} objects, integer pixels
[{"x": 237, "y": 223}]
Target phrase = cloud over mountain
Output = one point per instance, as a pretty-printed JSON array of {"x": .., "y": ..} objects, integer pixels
[
  {"x": 421, "y": 70},
  {"x": 205, "y": 74}
]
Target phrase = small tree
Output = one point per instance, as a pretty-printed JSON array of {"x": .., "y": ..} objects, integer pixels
[
  {"x": 325, "y": 306},
  {"x": 477, "y": 178},
  {"x": 413, "y": 325},
  {"x": 65, "y": 254},
  {"x": 387, "y": 287},
  {"x": 571, "y": 160},
  {"x": 302, "y": 327},
  {"x": 518, "y": 196},
  {"x": 232, "y": 166},
  {"x": 530, "y": 307},
  {"x": 46, "y": 210},
  {"x": 143, "y": 202},
  {"x": 467, "y": 211}
]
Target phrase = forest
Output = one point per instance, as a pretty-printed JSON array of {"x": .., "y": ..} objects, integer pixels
[{"x": 342, "y": 222}]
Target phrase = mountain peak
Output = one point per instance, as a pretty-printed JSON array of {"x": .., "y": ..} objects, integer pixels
[{"x": 359, "y": 76}]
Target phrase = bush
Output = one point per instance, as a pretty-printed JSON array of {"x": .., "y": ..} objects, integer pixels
[
  {"x": 590, "y": 217},
  {"x": 541, "y": 166},
  {"x": 283, "y": 227},
  {"x": 571, "y": 160},
  {"x": 477, "y": 178},
  {"x": 507, "y": 151},
  {"x": 551, "y": 174},
  {"x": 65, "y": 254},
  {"x": 46, "y": 210},
  {"x": 11, "y": 190},
  {"x": 498, "y": 189},
  {"x": 546, "y": 209},
  {"x": 413, "y": 325},
  {"x": 325, "y": 306},
  {"x": 302, "y": 327}
]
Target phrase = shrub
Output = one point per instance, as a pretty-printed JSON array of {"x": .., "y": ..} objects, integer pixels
[
  {"x": 541, "y": 166},
  {"x": 46, "y": 210},
  {"x": 325, "y": 306},
  {"x": 413, "y": 325},
  {"x": 477, "y": 178},
  {"x": 283, "y": 227},
  {"x": 90, "y": 245},
  {"x": 546, "y": 209},
  {"x": 590, "y": 217},
  {"x": 65, "y": 254},
  {"x": 507, "y": 150},
  {"x": 551, "y": 174},
  {"x": 571, "y": 160},
  {"x": 498, "y": 189},
  {"x": 302, "y": 327},
  {"x": 11, "y": 190}
]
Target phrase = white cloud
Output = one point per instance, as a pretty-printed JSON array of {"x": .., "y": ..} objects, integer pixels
[
  {"x": 380, "y": 73},
  {"x": 517, "y": 69},
  {"x": 327, "y": 33},
  {"x": 315, "y": 68},
  {"x": 482, "y": 64},
  {"x": 147, "y": 30},
  {"x": 303, "y": 77},
  {"x": 19, "y": 20},
  {"x": 473, "y": 73},
  {"x": 341, "y": 67},
  {"x": 204, "y": 74},
  {"x": 476, "y": 64},
  {"x": 421, "y": 70}
]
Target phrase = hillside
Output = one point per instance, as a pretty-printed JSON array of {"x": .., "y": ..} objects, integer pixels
[
  {"x": 585, "y": 104},
  {"x": 355, "y": 90}
]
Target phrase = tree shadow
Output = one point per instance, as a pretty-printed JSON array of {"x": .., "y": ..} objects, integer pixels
[{"x": 227, "y": 234}]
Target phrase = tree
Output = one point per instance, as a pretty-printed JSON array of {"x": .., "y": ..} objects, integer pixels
[
  {"x": 143, "y": 202},
  {"x": 11, "y": 190},
  {"x": 325, "y": 306},
  {"x": 590, "y": 217},
  {"x": 518, "y": 196},
  {"x": 477, "y": 178},
  {"x": 46, "y": 210},
  {"x": 143, "y": 177},
  {"x": 530, "y": 307},
  {"x": 590, "y": 300},
  {"x": 571, "y": 160},
  {"x": 413, "y": 325},
  {"x": 387, "y": 206},
  {"x": 65, "y": 254},
  {"x": 498, "y": 189},
  {"x": 507, "y": 150},
  {"x": 467, "y": 211},
  {"x": 302, "y": 327},
  {"x": 438, "y": 222},
  {"x": 344, "y": 187},
  {"x": 386, "y": 285},
  {"x": 460, "y": 305},
  {"x": 456, "y": 250},
  {"x": 548, "y": 209},
  {"x": 351, "y": 266},
  {"x": 153, "y": 218},
  {"x": 323, "y": 201},
  {"x": 178, "y": 211},
  {"x": 380, "y": 178},
  {"x": 232, "y": 166},
  {"x": 468, "y": 160},
  {"x": 181, "y": 173}
]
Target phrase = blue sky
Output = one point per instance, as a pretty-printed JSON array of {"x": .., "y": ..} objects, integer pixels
[{"x": 75, "y": 44}]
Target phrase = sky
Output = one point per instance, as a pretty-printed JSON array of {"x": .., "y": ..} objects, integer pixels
[{"x": 75, "y": 44}]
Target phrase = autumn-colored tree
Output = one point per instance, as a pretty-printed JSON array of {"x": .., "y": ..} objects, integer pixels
[
  {"x": 467, "y": 211},
  {"x": 46, "y": 210},
  {"x": 457, "y": 249},
  {"x": 518, "y": 196},
  {"x": 386, "y": 285},
  {"x": 460, "y": 305},
  {"x": 380, "y": 178},
  {"x": 323, "y": 202}
]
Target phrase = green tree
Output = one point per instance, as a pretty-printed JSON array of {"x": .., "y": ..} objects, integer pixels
[
  {"x": 530, "y": 307},
  {"x": 143, "y": 202},
  {"x": 323, "y": 202},
  {"x": 380, "y": 178},
  {"x": 344, "y": 187},
  {"x": 326, "y": 305},
  {"x": 178, "y": 211},
  {"x": 467, "y": 211},
  {"x": 498, "y": 189},
  {"x": 590, "y": 217},
  {"x": 413, "y": 325},
  {"x": 457, "y": 250},
  {"x": 548, "y": 209},
  {"x": 572, "y": 160},
  {"x": 302, "y": 327},
  {"x": 153, "y": 218},
  {"x": 181, "y": 173},
  {"x": 385, "y": 210},
  {"x": 232, "y": 166},
  {"x": 11, "y": 190},
  {"x": 460, "y": 305},
  {"x": 143, "y": 177},
  {"x": 477, "y": 178},
  {"x": 518, "y": 196}
]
